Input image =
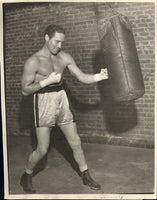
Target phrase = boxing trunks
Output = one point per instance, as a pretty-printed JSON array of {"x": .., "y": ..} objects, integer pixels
[{"x": 51, "y": 106}]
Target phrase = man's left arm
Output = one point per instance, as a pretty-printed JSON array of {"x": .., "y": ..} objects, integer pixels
[{"x": 83, "y": 77}]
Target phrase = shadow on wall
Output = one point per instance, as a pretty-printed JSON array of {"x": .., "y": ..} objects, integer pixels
[
  {"x": 118, "y": 116},
  {"x": 26, "y": 116},
  {"x": 77, "y": 105}
]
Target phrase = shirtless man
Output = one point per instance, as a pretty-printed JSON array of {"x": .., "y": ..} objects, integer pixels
[{"x": 42, "y": 77}]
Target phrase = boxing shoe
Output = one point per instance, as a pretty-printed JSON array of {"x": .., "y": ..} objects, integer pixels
[
  {"x": 87, "y": 180},
  {"x": 26, "y": 183}
]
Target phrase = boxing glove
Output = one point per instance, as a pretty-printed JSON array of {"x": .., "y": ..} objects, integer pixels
[{"x": 54, "y": 77}]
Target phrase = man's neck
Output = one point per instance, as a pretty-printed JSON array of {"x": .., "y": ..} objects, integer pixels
[{"x": 45, "y": 52}]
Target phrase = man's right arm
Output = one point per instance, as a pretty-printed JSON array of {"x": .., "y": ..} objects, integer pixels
[{"x": 29, "y": 86}]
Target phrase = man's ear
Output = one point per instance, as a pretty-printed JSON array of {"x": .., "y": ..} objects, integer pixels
[{"x": 47, "y": 37}]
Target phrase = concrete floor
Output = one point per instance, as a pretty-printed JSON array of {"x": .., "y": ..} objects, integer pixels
[{"x": 119, "y": 169}]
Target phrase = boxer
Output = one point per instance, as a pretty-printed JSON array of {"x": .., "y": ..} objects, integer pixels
[{"x": 42, "y": 77}]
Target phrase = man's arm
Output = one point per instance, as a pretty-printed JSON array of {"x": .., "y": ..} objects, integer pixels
[
  {"x": 28, "y": 77},
  {"x": 83, "y": 77}
]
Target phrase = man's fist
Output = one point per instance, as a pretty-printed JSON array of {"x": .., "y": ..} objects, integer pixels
[
  {"x": 54, "y": 77},
  {"x": 101, "y": 76},
  {"x": 104, "y": 73}
]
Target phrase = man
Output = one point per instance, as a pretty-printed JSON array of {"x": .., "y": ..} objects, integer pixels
[{"x": 42, "y": 77}]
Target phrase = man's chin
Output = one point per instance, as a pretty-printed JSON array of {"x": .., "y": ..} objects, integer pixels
[{"x": 55, "y": 53}]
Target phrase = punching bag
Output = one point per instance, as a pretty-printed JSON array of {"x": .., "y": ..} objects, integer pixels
[{"x": 121, "y": 58}]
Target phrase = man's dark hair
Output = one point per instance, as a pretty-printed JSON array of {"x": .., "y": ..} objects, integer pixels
[{"x": 52, "y": 29}]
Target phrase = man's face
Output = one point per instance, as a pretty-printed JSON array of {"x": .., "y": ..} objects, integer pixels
[{"x": 54, "y": 44}]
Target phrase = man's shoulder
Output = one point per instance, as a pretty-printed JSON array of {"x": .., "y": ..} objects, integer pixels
[
  {"x": 32, "y": 63},
  {"x": 65, "y": 56},
  {"x": 34, "y": 59}
]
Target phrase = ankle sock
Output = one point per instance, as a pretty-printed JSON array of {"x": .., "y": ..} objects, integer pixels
[
  {"x": 28, "y": 171},
  {"x": 83, "y": 168}
]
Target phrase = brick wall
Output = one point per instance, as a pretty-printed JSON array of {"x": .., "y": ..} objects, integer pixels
[{"x": 99, "y": 118}]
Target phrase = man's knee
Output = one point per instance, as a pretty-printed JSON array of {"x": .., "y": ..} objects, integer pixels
[{"x": 42, "y": 150}]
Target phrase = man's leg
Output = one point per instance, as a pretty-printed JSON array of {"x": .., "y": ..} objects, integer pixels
[
  {"x": 43, "y": 140},
  {"x": 70, "y": 132},
  {"x": 42, "y": 163}
]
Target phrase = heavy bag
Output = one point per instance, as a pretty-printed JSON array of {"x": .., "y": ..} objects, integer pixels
[{"x": 121, "y": 58}]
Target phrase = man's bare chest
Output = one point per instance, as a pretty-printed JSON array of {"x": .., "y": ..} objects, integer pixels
[{"x": 48, "y": 65}]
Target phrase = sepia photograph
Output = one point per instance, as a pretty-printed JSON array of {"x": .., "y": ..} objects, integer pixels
[{"x": 78, "y": 99}]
